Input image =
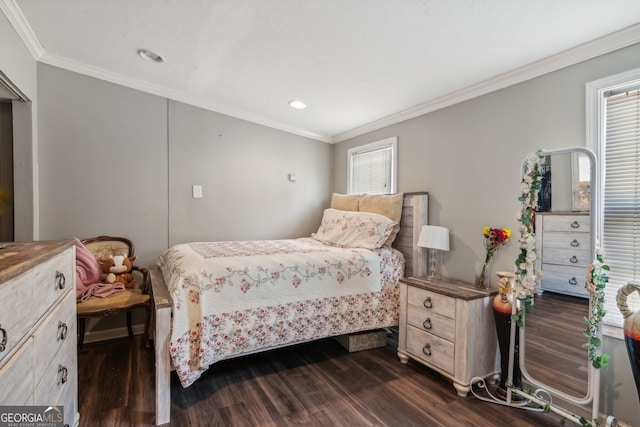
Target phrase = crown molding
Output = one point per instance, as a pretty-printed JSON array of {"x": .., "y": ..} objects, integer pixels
[
  {"x": 618, "y": 40},
  {"x": 26, "y": 33},
  {"x": 22, "y": 27},
  {"x": 174, "y": 95},
  {"x": 601, "y": 46}
]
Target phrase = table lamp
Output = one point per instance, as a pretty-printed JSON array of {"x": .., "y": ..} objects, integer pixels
[{"x": 436, "y": 239}]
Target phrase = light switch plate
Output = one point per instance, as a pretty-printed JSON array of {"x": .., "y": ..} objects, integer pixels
[{"x": 197, "y": 191}]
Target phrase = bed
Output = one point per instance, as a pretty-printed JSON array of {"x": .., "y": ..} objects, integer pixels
[{"x": 213, "y": 301}]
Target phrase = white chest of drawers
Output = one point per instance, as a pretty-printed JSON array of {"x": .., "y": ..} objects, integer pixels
[
  {"x": 38, "y": 359},
  {"x": 564, "y": 245},
  {"x": 449, "y": 327}
]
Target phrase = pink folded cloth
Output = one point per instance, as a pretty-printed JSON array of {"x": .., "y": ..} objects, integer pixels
[
  {"x": 88, "y": 276},
  {"x": 99, "y": 290}
]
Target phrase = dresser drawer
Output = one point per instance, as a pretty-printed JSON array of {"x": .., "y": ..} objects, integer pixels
[
  {"x": 427, "y": 302},
  {"x": 16, "y": 377},
  {"x": 568, "y": 257},
  {"x": 567, "y": 241},
  {"x": 572, "y": 223},
  {"x": 26, "y": 299},
  {"x": 58, "y": 328},
  {"x": 59, "y": 375},
  {"x": 434, "y": 323},
  {"x": 430, "y": 349},
  {"x": 564, "y": 279},
  {"x": 68, "y": 398},
  {"x": 55, "y": 278},
  {"x": 16, "y": 311}
]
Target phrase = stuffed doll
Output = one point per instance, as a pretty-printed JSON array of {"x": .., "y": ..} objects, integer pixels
[{"x": 117, "y": 269}]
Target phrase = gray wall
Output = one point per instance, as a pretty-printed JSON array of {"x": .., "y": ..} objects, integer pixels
[
  {"x": 118, "y": 161},
  {"x": 102, "y": 161},
  {"x": 243, "y": 169},
  {"x": 468, "y": 157}
]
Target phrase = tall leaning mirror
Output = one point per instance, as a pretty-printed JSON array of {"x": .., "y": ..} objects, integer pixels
[
  {"x": 565, "y": 245},
  {"x": 552, "y": 356},
  {"x": 549, "y": 368}
]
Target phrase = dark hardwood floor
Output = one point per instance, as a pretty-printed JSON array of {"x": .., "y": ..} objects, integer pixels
[
  {"x": 554, "y": 352},
  {"x": 314, "y": 384}
]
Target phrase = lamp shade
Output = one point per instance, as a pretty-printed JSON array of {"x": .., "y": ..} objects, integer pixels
[{"x": 434, "y": 237}]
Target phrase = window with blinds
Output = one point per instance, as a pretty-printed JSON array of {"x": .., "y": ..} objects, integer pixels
[
  {"x": 621, "y": 196},
  {"x": 372, "y": 167}
]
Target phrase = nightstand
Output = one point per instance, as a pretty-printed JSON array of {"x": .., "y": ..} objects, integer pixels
[{"x": 448, "y": 326}]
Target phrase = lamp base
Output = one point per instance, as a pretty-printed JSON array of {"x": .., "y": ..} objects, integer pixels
[{"x": 434, "y": 264}]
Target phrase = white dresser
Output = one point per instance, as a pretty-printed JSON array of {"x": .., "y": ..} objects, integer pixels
[
  {"x": 38, "y": 358},
  {"x": 564, "y": 244},
  {"x": 449, "y": 327}
]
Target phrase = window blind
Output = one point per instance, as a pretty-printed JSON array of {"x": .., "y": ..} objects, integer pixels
[
  {"x": 621, "y": 225},
  {"x": 371, "y": 170}
]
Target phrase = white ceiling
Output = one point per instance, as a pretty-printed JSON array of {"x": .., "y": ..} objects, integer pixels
[{"x": 357, "y": 64}]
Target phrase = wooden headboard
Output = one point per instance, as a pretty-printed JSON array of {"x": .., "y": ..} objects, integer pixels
[{"x": 415, "y": 214}]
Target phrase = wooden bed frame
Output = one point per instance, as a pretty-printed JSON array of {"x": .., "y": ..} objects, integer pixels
[{"x": 415, "y": 214}]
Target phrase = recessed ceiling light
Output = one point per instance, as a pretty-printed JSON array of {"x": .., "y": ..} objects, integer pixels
[
  {"x": 150, "y": 56},
  {"x": 298, "y": 105}
]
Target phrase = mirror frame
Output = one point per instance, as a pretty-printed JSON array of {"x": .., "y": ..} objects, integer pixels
[{"x": 593, "y": 374}]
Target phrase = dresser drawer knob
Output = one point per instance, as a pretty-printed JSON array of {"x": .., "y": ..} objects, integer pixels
[
  {"x": 427, "y": 349},
  {"x": 61, "y": 281},
  {"x": 427, "y": 303},
  {"x": 573, "y": 281},
  {"x": 62, "y": 330},
  {"x": 62, "y": 374},
  {"x": 575, "y": 224},
  {"x": 3, "y": 343},
  {"x": 573, "y": 260},
  {"x": 427, "y": 323},
  {"x": 575, "y": 243}
]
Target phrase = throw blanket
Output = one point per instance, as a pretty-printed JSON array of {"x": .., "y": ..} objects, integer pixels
[{"x": 88, "y": 276}]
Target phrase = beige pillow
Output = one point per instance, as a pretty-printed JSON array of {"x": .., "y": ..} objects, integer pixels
[
  {"x": 345, "y": 202},
  {"x": 389, "y": 205},
  {"x": 350, "y": 229}
]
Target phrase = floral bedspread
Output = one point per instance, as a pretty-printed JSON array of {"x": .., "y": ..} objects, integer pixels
[{"x": 238, "y": 297}]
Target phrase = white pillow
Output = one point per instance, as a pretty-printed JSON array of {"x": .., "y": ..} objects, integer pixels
[{"x": 355, "y": 229}]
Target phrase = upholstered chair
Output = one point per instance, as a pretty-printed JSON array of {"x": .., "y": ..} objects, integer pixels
[{"x": 124, "y": 301}]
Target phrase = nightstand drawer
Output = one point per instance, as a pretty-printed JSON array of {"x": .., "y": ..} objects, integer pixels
[
  {"x": 431, "y": 349},
  {"x": 433, "y": 323},
  {"x": 428, "y": 302}
]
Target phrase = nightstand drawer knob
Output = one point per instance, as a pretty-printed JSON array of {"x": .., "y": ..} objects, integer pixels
[
  {"x": 573, "y": 281},
  {"x": 427, "y": 349},
  {"x": 573, "y": 260},
  {"x": 427, "y": 323},
  {"x": 575, "y": 224},
  {"x": 427, "y": 303},
  {"x": 575, "y": 243}
]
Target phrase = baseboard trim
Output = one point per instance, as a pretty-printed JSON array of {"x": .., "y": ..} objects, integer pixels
[{"x": 110, "y": 334}]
